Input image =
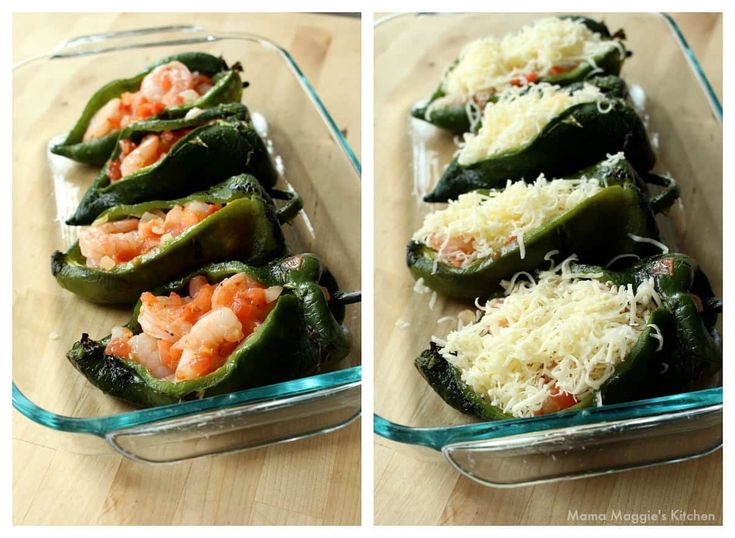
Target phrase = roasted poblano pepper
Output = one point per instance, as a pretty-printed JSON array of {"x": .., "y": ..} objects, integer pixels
[
  {"x": 598, "y": 226},
  {"x": 691, "y": 354},
  {"x": 453, "y": 116},
  {"x": 246, "y": 228},
  {"x": 212, "y": 151},
  {"x": 299, "y": 337},
  {"x": 227, "y": 88},
  {"x": 578, "y": 137}
]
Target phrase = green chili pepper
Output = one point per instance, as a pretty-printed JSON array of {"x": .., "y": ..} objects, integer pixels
[
  {"x": 246, "y": 228},
  {"x": 227, "y": 88},
  {"x": 576, "y": 138},
  {"x": 298, "y": 338},
  {"x": 454, "y": 116},
  {"x": 691, "y": 354},
  {"x": 213, "y": 151},
  {"x": 596, "y": 227}
]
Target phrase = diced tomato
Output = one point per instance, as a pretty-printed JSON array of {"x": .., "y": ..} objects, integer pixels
[
  {"x": 169, "y": 138},
  {"x": 664, "y": 266},
  {"x": 169, "y": 356},
  {"x": 118, "y": 347},
  {"x": 558, "y": 70},
  {"x": 557, "y": 401},
  {"x": 113, "y": 170},
  {"x": 525, "y": 79},
  {"x": 199, "y": 78}
]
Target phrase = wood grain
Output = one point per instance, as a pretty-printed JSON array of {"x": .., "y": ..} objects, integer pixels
[
  {"x": 64, "y": 479},
  {"x": 416, "y": 486}
]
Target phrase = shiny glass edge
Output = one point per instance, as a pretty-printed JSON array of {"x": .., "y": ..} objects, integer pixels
[
  {"x": 439, "y": 437},
  {"x": 101, "y": 426},
  {"x": 499, "y": 446}
]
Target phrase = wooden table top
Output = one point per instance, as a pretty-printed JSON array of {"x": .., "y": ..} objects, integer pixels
[
  {"x": 412, "y": 487},
  {"x": 314, "y": 481}
]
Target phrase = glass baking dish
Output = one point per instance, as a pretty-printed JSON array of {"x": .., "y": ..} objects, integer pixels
[
  {"x": 313, "y": 157},
  {"x": 684, "y": 118}
]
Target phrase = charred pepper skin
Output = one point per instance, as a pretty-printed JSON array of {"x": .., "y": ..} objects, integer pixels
[
  {"x": 576, "y": 138},
  {"x": 298, "y": 338},
  {"x": 454, "y": 118},
  {"x": 227, "y": 88},
  {"x": 595, "y": 228},
  {"x": 691, "y": 354},
  {"x": 221, "y": 145},
  {"x": 246, "y": 228}
]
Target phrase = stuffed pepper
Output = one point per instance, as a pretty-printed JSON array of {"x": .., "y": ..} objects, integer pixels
[
  {"x": 166, "y": 159},
  {"x": 579, "y": 336},
  {"x": 557, "y": 50},
  {"x": 546, "y": 129},
  {"x": 133, "y": 248},
  {"x": 224, "y": 327},
  {"x": 486, "y": 236},
  {"x": 167, "y": 89}
]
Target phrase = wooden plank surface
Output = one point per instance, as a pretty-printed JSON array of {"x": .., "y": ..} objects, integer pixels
[
  {"x": 415, "y": 486},
  {"x": 58, "y": 479}
]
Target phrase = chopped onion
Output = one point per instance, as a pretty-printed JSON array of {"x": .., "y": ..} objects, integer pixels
[{"x": 272, "y": 293}]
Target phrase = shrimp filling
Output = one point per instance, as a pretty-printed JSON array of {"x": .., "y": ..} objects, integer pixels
[
  {"x": 151, "y": 149},
  {"x": 548, "y": 344},
  {"x": 168, "y": 85},
  {"x": 107, "y": 244},
  {"x": 188, "y": 337},
  {"x": 479, "y": 226}
]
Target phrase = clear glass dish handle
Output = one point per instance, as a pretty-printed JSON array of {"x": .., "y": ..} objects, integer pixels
[
  {"x": 131, "y": 39},
  {"x": 243, "y": 427},
  {"x": 588, "y": 450}
]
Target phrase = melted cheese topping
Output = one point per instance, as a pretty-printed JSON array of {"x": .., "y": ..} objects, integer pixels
[
  {"x": 487, "y": 65},
  {"x": 478, "y": 226},
  {"x": 519, "y": 116},
  {"x": 565, "y": 333}
]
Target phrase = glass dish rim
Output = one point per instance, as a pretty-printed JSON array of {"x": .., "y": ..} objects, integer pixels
[
  {"x": 439, "y": 436},
  {"x": 102, "y": 425}
]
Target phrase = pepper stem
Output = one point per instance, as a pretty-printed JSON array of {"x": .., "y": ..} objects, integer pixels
[{"x": 346, "y": 297}]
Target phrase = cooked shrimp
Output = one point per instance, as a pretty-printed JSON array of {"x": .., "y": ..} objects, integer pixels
[
  {"x": 105, "y": 245},
  {"x": 171, "y": 84},
  {"x": 194, "y": 335},
  {"x": 104, "y": 121},
  {"x": 146, "y": 153},
  {"x": 454, "y": 249},
  {"x": 166, "y": 82},
  {"x": 144, "y": 350},
  {"x": 132, "y": 157},
  {"x": 208, "y": 344}
]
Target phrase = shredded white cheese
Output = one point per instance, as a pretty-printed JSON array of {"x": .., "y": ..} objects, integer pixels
[
  {"x": 402, "y": 324},
  {"x": 477, "y": 226},
  {"x": 563, "y": 334},
  {"x": 653, "y": 242},
  {"x": 488, "y": 64},
  {"x": 519, "y": 116},
  {"x": 420, "y": 288}
]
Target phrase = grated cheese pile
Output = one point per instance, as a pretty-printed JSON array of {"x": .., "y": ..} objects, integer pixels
[
  {"x": 565, "y": 333},
  {"x": 487, "y": 65},
  {"x": 478, "y": 226},
  {"x": 519, "y": 116}
]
